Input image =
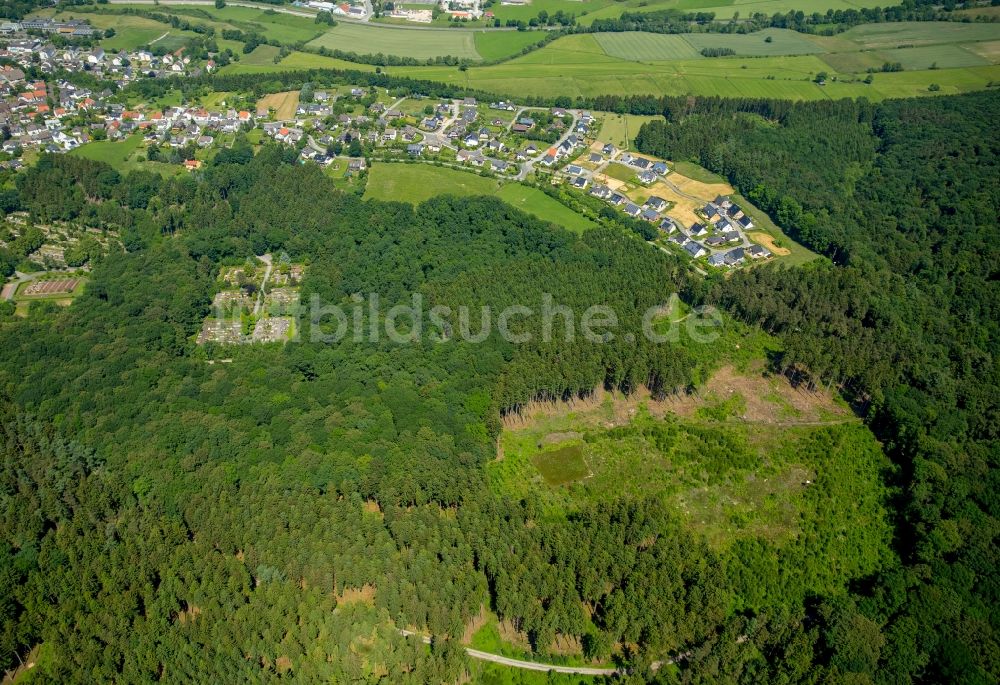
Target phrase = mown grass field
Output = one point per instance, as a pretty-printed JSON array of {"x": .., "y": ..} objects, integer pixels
[
  {"x": 262, "y": 55},
  {"x": 415, "y": 183},
  {"x": 646, "y": 47},
  {"x": 499, "y": 44},
  {"x": 419, "y": 44},
  {"x": 620, "y": 129},
  {"x": 537, "y": 203}
]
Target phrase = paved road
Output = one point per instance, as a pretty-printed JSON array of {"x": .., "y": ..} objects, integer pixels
[
  {"x": 528, "y": 166},
  {"x": 527, "y": 665}
]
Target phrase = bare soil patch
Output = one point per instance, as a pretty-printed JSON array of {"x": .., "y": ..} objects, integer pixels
[
  {"x": 768, "y": 399},
  {"x": 511, "y": 635},
  {"x": 283, "y": 104},
  {"x": 364, "y": 594},
  {"x": 474, "y": 624}
]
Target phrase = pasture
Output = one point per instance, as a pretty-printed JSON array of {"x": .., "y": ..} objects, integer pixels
[
  {"x": 646, "y": 47},
  {"x": 420, "y": 44}
]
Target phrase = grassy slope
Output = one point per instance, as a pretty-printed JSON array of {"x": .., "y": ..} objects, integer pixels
[
  {"x": 420, "y": 44},
  {"x": 415, "y": 183},
  {"x": 499, "y": 44}
]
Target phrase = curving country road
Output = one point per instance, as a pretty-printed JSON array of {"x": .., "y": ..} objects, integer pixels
[{"x": 520, "y": 663}]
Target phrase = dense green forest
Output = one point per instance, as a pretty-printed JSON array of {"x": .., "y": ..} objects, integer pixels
[
  {"x": 904, "y": 196},
  {"x": 167, "y": 515}
]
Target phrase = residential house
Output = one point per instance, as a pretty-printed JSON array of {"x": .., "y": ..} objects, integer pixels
[
  {"x": 735, "y": 257},
  {"x": 694, "y": 249},
  {"x": 656, "y": 203}
]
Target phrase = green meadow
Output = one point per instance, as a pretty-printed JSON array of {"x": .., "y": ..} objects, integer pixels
[
  {"x": 499, "y": 44},
  {"x": 389, "y": 40},
  {"x": 415, "y": 183}
]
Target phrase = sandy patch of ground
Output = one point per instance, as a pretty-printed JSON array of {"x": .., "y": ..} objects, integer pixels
[
  {"x": 190, "y": 614},
  {"x": 767, "y": 241},
  {"x": 283, "y": 104},
  {"x": 364, "y": 594},
  {"x": 768, "y": 399},
  {"x": 683, "y": 209},
  {"x": 610, "y": 182}
]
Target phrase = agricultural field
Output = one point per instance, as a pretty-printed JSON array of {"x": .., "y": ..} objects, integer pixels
[
  {"x": 646, "y": 47},
  {"x": 499, "y": 44},
  {"x": 721, "y": 8},
  {"x": 783, "y": 42},
  {"x": 525, "y": 12},
  {"x": 916, "y": 33},
  {"x": 420, "y": 44},
  {"x": 262, "y": 55},
  {"x": 284, "y": 104},
  {"x": 283, "y": 27},
  {"x": 592, "y": 64}
]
